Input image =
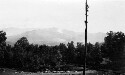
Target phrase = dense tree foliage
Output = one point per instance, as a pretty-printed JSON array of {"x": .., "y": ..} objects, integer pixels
[
  {"x": 3, "y": 50},
  {"x": 33, "y": 57},
  {"x": 114, "y": 49}
]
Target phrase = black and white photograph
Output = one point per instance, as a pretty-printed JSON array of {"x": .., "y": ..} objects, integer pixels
[{"x": 62, "y": 37}]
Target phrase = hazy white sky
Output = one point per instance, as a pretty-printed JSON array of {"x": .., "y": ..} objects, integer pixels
[{"x": 104, "y": 15}]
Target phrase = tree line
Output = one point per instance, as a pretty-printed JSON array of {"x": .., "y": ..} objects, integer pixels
[{"x": 33, "y": 57}]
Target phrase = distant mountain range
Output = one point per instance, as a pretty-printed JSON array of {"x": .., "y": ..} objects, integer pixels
[{"x": 51, "y": 36}]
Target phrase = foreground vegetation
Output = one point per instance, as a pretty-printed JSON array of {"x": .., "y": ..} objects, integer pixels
[
  {"x": 24, "y": 56},
  {"x": 89, "y": 72}
]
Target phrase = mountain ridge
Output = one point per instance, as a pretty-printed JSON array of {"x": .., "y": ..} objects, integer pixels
[{"x": 54, "y": 36}]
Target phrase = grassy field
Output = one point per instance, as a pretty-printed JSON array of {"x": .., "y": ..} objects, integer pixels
[
  {"x": 14, "y": 72},
  {"x": 10, "y": 73},
  {"x": 38, "y": 73},
  {"x": 26, "y": 73}
]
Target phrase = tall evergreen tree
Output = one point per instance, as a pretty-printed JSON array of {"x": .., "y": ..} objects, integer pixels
[{"x": 114, "y": 48}]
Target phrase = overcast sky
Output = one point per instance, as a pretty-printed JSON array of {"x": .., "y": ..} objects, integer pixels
[{"x": 104, "y": 15}]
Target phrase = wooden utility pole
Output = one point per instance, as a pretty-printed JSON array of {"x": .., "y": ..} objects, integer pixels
[{"x": 86, "y": 21}]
